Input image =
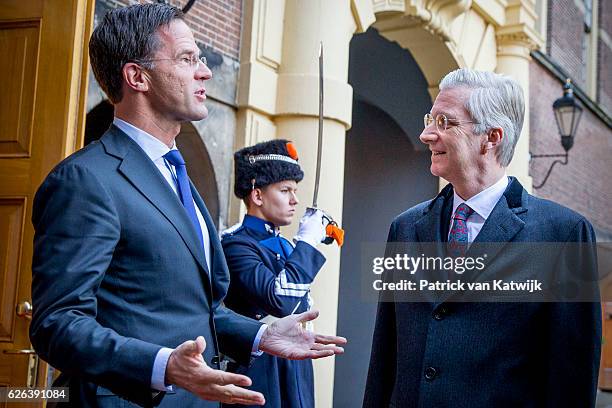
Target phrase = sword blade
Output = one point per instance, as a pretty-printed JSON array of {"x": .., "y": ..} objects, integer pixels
[{"x": 320, "y": 142}]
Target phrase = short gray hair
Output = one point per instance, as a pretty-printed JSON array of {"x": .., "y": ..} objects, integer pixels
[{"x": 496, "y": 101}]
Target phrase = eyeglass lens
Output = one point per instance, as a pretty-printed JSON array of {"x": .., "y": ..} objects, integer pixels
[{"x": 441, "y": 121}]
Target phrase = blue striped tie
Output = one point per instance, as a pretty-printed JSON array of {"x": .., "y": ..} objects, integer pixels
[{"x": 174, "y": 157}]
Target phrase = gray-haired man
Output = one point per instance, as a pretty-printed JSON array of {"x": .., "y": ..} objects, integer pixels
[{"x": 460, "y": 354}]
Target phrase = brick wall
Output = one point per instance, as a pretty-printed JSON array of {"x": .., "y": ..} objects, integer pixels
[
  {"x": 584, "y": 183},
  {"x": 604, "y": 96},
  {"x": 216, "y": 23},
  {"x": 566, "y": 38}
]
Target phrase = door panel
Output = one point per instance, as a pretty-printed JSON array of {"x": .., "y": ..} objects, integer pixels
[
  {"x": 19, "y": 46},
  {"x": 43, "y": 78}
]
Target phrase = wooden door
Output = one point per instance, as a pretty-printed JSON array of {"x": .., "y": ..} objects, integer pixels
[{"x": 43, "y": 85}]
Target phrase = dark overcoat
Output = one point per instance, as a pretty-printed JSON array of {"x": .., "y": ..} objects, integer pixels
[{"x": 481, "y": 355}]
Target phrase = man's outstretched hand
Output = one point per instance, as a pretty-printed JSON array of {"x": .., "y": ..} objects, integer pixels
[
  {"x": 287, "y": 338},
  {"x": 187, "y": 369}
]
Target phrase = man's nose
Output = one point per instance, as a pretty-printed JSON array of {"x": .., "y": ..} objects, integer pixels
[
  {"x": 428, "y": 136},
  {"x": 294, "y": 199},
  {"x": 203, "y": 72}
]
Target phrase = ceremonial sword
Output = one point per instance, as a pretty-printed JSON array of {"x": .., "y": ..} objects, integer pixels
[{"x": 332, "y": 230}]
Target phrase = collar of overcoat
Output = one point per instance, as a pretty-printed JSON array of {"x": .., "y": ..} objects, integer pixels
[{"x": 505, "y": 221}]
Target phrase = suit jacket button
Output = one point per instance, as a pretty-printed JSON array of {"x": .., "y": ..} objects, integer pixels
[
  {"x": 430, "y": 373},
  {"x": 440, "y": 313}
]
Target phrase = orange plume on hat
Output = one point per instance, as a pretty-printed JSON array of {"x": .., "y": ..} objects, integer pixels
[{"x": 292, "y": 151}]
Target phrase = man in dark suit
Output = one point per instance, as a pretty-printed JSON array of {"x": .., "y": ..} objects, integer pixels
[
  {"x": 449, "y": 353},
  {"x": 128, "y": 271}
]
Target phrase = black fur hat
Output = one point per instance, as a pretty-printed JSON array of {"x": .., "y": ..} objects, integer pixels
[{"x": 267, "y": 163}]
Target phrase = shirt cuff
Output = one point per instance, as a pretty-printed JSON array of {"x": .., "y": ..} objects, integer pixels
[
  {"x": 255, "y": 351},
  {"x": 158, "y": 377}
]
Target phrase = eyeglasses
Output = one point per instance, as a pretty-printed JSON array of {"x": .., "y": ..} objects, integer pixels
[
  {"x": 191, "y": 61},
  {"x": 442, "y": 122}
]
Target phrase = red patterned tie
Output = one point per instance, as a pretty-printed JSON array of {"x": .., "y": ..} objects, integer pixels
[{"x": 458, "y": 237}]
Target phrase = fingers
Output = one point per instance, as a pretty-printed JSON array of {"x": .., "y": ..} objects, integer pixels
[
  {"x": 230, "y": 394},
  {"x": 307, "y": 316},
  {"x": 201, "y": 344},
  {"x": 243, "y": 401},
  {"x": 224, "y": 378},
  {"x": 193, "y": 347},
  {"x": 323, "y": 339},
  {"x": 334, "y": 348},
  {"x": 315, "y": 354}
]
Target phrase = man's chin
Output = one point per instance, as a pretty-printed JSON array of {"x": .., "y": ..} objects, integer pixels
[
  {"x": 435, "y": 170},
  {"x": 198, "y": 115}
]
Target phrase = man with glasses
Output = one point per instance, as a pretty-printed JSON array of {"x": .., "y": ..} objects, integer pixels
[
  {"x": 453, "y": 353},
  {"x": 128, "y": 272}
]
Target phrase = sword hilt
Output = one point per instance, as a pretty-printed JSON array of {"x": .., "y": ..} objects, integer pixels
[{"x": 333, "y": 232}]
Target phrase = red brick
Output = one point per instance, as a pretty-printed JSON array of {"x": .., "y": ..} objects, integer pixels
[{"x": 582, "y": 184}]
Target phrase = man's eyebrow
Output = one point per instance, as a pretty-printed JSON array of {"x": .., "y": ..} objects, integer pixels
[
  {"x": 186, "y": 51},
  {"x": 448, "y": 114}
]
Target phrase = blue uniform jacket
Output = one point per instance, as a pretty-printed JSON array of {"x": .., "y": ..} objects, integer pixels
[{"x": 269, "y": 276}]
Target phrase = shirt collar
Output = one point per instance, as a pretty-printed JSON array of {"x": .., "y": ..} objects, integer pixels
[
  {"x": 152, "y": 146},
  {"x": 483, "y": 202},
  {"x": 260, "y": 225}
]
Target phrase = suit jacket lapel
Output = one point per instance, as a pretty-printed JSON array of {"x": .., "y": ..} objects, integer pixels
[
  {"x": 146, "y": 178},
  {"x": 500, "y": 228},
  {"x": 218, "y": 272},
  {"x": 429, "y": 227},
  {"x": 503, "y": 222}
]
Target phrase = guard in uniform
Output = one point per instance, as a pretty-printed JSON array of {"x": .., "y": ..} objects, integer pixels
[{"x": 270, "y": 276}]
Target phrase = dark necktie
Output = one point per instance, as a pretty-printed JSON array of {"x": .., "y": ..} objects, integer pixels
[
  {"x": 174, "y": 157},
  {"x": 458, "y": 237}
]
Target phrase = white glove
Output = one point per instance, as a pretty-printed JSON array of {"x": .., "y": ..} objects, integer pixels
[{"x": 312, "y": 227}]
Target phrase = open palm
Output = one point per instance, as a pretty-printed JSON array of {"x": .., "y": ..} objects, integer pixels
[{"x": 287, "y": 338}]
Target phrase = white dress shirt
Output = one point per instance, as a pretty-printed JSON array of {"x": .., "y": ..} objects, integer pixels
[{"x": 482, "y": 204}]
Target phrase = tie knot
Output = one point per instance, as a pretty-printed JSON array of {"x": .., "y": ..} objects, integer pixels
[
  {"x": 463, "y": 212},
  {"x": 175, "y": 158}
]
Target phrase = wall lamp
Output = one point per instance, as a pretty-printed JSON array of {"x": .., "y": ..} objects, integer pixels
[{"x": 567, "y": 115}]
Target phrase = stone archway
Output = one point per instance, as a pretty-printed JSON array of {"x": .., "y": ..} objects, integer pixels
[
  {"x": 97, "y": 121},
  {"x": 200, "y": 168},
  {"x": 441, "y": 36},
  {"x": 444, "y": 35},
  {"x": 386, "y": 171}
]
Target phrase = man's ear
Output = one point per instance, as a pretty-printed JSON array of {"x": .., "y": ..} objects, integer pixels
[
  {"x": 494, "y": 138},
  {"x": 135, "y": 77},
  {"x": 255, "y": 197}
]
